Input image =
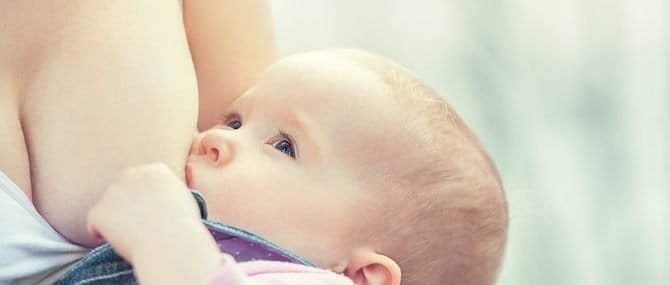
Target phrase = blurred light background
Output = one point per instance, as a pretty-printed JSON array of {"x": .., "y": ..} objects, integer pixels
[{"x": 571, "y": 98}]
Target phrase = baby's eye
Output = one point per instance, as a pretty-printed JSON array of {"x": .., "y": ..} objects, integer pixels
[
  {"x": 234, "y": 124},
  {"x": 232, "y": 120},
  {"x": 285, "y": 145}
]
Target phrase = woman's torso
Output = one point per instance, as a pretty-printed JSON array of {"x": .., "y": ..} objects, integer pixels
[{"x": 88, "y": 88}]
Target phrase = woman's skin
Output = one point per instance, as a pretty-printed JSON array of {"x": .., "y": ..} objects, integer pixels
[
  {"x": 89, "y": 88},
  {"x": 232, "y": 43}
]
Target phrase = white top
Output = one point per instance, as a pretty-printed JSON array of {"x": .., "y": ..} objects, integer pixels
[{"x": 31, "y": 251}]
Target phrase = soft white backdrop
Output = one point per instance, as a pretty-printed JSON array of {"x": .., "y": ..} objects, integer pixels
[{"x": 572, "y": 99}]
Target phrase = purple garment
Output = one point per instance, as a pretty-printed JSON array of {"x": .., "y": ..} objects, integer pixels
[{"x": 245, "y": 246}]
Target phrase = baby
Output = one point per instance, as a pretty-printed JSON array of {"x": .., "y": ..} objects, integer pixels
[{"x": 342, "y": 158}]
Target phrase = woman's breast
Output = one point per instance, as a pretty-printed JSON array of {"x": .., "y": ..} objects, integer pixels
[
  {"x": 13, "y": 152},
  {"x": 20, "y": 48},
  {"x": 116, "y": 89}
]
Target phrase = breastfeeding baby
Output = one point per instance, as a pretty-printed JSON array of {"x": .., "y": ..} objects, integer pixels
[
  {"x": 340, "y": 157},
  {"x": 341, "y": 160}
]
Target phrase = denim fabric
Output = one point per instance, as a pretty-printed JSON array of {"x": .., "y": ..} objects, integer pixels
[{"x": 103, "y": 266}]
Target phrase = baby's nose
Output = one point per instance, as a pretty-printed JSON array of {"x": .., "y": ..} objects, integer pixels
[{"x": 216, "y": 147}]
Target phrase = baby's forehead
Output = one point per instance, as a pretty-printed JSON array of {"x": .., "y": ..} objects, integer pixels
[
  {"x": 324, "y": 87},
  {"x": 321, "y": 76},
  {"x": 347, "y": 102}
]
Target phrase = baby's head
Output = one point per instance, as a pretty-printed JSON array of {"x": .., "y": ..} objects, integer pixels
[{"x": 352, "y": 163}]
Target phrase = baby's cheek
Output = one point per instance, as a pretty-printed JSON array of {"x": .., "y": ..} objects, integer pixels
[{"x": 228, "y": 207}]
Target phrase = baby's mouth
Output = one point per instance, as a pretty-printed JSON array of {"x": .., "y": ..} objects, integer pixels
[{"x": 188, "y": 172}]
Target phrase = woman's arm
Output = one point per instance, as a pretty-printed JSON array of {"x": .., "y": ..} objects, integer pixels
[{"x": 231, "y": 44}]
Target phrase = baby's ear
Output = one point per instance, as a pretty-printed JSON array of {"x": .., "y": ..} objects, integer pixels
[{"x": 366, "y": 267}]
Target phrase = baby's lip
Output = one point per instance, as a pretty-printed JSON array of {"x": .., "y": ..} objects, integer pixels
[{"x": 188, "y": 172}]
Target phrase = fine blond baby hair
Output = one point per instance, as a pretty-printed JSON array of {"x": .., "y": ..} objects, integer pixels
[{"x": 444, "y": 217}]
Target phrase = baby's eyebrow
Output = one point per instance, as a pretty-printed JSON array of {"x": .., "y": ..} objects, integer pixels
[
  {"x": 225, "y": 115},
  {"x": 237, "y": 107},
  {"x": 297, "y": 121}
]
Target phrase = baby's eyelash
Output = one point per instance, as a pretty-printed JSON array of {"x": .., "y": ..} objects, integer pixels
[
  {"x": 224, "y": 118},
  {"x": 285, "y": 135},
  {"x": 227, "y": 115}
]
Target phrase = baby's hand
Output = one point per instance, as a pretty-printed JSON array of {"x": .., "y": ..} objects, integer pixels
[{"x": 144, "y": 205}]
